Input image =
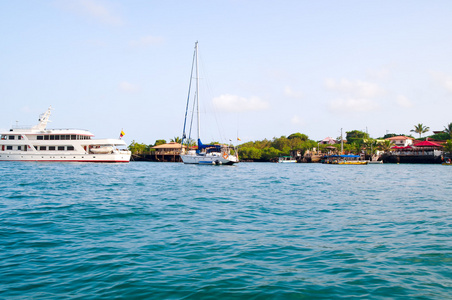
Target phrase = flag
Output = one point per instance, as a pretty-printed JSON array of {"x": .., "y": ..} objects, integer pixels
[
  {"x": 122, "y": 134},
  {"x": 238, "y": 139}
]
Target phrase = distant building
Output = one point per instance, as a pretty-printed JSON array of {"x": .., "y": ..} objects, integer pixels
[
  {"x": 401, "y": 140},
  {"x": 328, "y": 141},
  {"x": 168, "y": 152}
]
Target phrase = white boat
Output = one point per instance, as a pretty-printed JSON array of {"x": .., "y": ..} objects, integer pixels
[
  {"x": 286, "y": 159},
  {"x": 38, "y": 143},
  {"x": 204, "y": 154}
]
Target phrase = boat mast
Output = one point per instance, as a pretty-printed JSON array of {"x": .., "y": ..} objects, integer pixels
[{"x": 197, "y": 89}]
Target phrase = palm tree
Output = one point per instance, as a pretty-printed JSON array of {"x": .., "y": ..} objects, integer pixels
[
  {"x": 385, "y": 146},
  {"x": 176, "y": 140},
  {"x": 420, "y": 128},
  {"x": 448, "y": 129}
]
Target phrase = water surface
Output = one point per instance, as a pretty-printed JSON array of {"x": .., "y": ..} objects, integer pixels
[{"x": 251, "y": 231}]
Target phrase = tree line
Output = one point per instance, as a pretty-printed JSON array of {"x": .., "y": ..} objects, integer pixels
[{"x": 355, "y": 141}]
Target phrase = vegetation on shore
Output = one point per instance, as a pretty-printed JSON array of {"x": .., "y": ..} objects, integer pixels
[{"x": 355, "y": 141}]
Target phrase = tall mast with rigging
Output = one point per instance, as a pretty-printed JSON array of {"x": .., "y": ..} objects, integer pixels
[{"x": 197, "y": 91}]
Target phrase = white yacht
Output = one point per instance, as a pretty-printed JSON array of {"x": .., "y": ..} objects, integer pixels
[
  {"x": 204, "y": 154},
  {"x": 68, "y": 145}
]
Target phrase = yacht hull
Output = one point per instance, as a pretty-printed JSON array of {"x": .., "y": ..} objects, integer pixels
[{"x": 47, "y": 157}]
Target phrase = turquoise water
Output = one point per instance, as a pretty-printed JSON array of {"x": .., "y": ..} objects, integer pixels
[{"x": 251, "y": 231}]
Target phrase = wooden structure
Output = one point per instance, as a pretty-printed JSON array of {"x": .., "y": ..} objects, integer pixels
[{"x": 169, "y": 152}]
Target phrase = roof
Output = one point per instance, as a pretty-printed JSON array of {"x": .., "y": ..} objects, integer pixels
[
  {"x": 171, "y": 145},
  {"x": 427, "y": 144},
  {"x": 399, "y": 137}
]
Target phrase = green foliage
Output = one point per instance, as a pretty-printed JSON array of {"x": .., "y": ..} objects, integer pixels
[
  {"x": 301, "y": 136},
  {"x": 420, "y": 128},
  {"x": 442, "y": 136},
  {"x": 250, "y": 153},
  {"x": 159, "y": 142},
  {"x": 356, "y": 136},
  {"x": 385, "y": 146},
  {"x": 176, "y": 140},
  {"x": 137, "y": 148},
  {"x": 269, "y": 153},
  {"x": 448, "y": 146},
  {"x": 448, "y": 129},
  {"x": 266, "y": 150}
]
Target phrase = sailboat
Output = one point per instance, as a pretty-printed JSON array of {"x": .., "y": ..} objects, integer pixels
[{"x": 202, "y": 154}]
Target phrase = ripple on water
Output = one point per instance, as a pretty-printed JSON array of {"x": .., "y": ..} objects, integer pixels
[{"x": 258, "y": 231}]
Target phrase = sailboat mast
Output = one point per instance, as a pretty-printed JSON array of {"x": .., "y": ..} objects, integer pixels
[{"x": 197, "y": 89}]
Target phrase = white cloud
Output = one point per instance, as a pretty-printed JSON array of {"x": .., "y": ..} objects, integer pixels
[
  {"x": 353, "y": 105},
  {"x": 94, "y": 9},
  {"x": 356, "y": 89},
  {"x": 443, "y": 79},
  {"x": 234, "y": 103},
  {"x": 292, "y": 94},
  {"x": 128, "y": 87},
  {"x": 403, "y": 102},
  {"x": 146, "y": 41}
]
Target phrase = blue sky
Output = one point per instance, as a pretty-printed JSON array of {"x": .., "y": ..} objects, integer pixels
[{"x": 268, "y": 68}]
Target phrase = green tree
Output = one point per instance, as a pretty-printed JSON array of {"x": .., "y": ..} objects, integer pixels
[
  {"x": 356, "y": 136},
  {"x": 420, "y": 128},
  {"x": 301, "y": 136},
  {"x": 159, "y": 142},
  {"x": 448, "y": 129},
  {"x": 448, "y": 147},
  {"x": 385, "y": 146},
  {"x": 176, "y": 140},
  {"x": 269, "y": 153},
  {"x": 137, "y": 148},
  {"x": 370, "y": 145}
]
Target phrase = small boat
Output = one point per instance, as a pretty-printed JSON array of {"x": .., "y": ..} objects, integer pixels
[
  {"x": 345, "y": 159},
  {"x": 447, "y": 162},
  {"x": 286, "y": 159},
  {"x": 38, "y": 143},
  {"x": 213, "y": 154}
]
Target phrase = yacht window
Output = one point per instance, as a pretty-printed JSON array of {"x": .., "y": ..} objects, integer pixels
[
  {"x": 70, "y": 148},
  {"x": 46, "y": 137},
  {"x": 9, "y": 147},
  {"x": 39, "y": 137},
  {"x": 19, "y": 137},
  {"x": 52, "y": 137},
  {"x": 57, "y": 137},
  {"x": 72, "y": 137},
  {"x": 63, "y": 137},
  {"x": 68, "y": 137},
  {"x": 60, "y": 148},
  {"x": 11, "y": 137},
  {"x": 51, "y": 148},
  {"x": 43, "y": 148},
  {"x": 19, "y": 147}
]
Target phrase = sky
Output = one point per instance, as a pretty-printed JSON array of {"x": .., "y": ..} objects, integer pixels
[{"x": 267, "y": 68}]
